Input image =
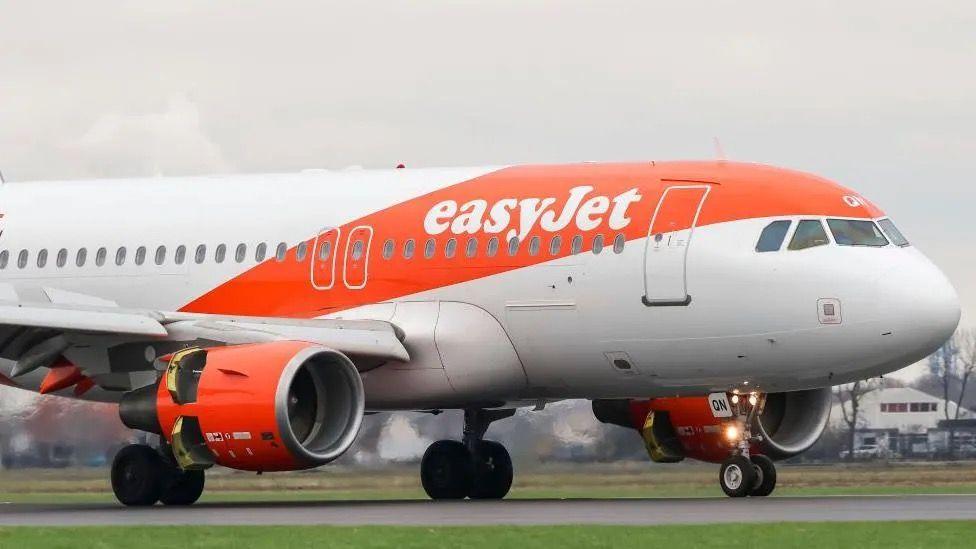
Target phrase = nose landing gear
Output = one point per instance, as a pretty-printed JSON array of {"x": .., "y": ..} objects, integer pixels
[
  {"x": 474, "y": 467},
  {"x": 745, "y": 474}
]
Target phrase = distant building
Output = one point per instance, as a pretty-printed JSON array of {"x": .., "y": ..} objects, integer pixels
[{"x": 905, "y": 422}]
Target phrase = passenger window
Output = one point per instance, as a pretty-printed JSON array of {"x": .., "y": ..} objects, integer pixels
[
  {"x": 357, "y": 250},
  {"x": 4, "y": 258},
  {"x": 771, "y": 238},
  {"x": 42, "y": 257},
  {"x": 240, "y": 253},
  {"x": 324, "y": 250},
  {"x": 220, "y": 253},
  {"x": 450, "y": 248},
  {"x": 856, "y": 232},
  {"x": 62, "y": 257},
  {"x": 388, "y": 247},
  {"x": 120, "y": 256},
  {"x": 809, "y": 234},
  {"x": 577, "y": 244},
  {"x": 555, "y": 245},
  {"x": 260, "y": 251},
  {"x": 597, "y": 244},
  {"x": 100, "y": 256},
  {"x": 513, "y": 245},
  {"x": 408, "y": 248},
  {"x": 160, "y": 255},
  {"x": 534, "y": 244},
  {"x": 281, "y": 251},
  {"x": 888, "y": 226},
  {"x": 180, "y": 256},
  {"x": 471, "y": 248},
  {"x": 301, "y": 251},
  {"x": 80, "y": 257},
  {"x": 140, "y": 255},
  {"x": 429, "y": 248},
  {"x": 22, "y": 259},
  {"x": 492, "y": 249},
  {"x": 200, "y": 254},
  {"x": 618, "y": 243}
]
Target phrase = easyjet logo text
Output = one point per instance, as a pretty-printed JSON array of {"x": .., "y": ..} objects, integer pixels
[{"x": 518, "y": 217}]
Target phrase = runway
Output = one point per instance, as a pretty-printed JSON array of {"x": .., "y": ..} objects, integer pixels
[{"x": 516, "y": 512}]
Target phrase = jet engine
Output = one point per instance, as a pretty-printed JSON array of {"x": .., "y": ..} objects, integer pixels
[
  {"x": 274, "y": 406},
  {"x": 679, "y": 427}
]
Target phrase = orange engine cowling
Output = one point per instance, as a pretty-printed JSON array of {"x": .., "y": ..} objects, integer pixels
[
  {"x": 674, "y": 428},
  {"x": 274, "y": 406}
]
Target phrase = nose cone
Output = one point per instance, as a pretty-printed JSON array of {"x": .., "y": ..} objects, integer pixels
[{"x": 919, "y": 303}]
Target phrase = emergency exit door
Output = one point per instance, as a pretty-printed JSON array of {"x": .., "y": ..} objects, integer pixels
[
  {"x": 668, "y": 240},
  {"x": 324, "y": 259},
  {"x": 355, "y": 270}
]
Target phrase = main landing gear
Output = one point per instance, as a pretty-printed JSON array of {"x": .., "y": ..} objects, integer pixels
[
  {"x": 474, "y": 467},
  {"x": 143, "y": 475},
  {"x": 744, "y": 474}
]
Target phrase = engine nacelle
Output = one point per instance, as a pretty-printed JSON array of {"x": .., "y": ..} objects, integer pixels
[
  {"x": 679, "y": 427},
  {"x": 275, "y": 406}
]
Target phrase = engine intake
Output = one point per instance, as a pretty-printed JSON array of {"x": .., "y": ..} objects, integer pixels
[
  {"x": 263, "y": 407},
  {"x": 792, "y": 422}
]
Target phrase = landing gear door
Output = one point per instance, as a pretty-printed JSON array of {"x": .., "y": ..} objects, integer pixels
[
  {"x": 668, "y": 240},
  {"x": 324, "y": 259}
]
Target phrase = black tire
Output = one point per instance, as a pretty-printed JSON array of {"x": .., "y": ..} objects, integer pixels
[
  {"x": 737, "y": 476},
  {"x": 493, "y": 471},
  {"x": 765, "y": 476},
  {"x": 137, "y": 475},
  {"x": 185, "y": 488},
  {"x": 447, "y": 470}
]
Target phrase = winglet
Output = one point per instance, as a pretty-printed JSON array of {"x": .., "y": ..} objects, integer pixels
[{"x": 719, "y": 151}]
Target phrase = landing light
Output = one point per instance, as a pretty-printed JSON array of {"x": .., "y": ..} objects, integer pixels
[
  {"x": 753, "y": 400},
  {"x": 732, "y": 432},
  {"x": 735, "y": 399}
]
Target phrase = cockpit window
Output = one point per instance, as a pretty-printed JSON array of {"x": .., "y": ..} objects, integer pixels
[
  {"x": 809, "y": 233},
  {"x": 771, "y": 239},
  {"x": 856, "y": 232},
  {"x": 888, "y": 226}
]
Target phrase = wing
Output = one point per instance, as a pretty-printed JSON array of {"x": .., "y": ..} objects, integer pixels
[{"x": 53, "y": 339}]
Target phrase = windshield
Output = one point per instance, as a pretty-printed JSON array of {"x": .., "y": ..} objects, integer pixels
[
  {"x": 809, "y": 233},
  {"x": 856, "y": 232},
  {"x": 888, "y": 226}
]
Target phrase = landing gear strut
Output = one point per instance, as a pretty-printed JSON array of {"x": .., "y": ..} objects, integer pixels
[
  {"x": 143, "y": 475},
  {"x": 474, "y": 467},
  {"x": 743, "y": 474}
]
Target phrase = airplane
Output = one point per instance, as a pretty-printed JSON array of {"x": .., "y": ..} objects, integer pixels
[{"x": 251, "y": 321}]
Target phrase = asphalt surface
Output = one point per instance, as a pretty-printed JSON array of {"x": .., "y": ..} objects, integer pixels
[{"x": 576, "y": 511}]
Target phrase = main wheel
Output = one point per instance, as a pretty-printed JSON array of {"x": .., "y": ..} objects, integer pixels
[
  {"x": 137, "y": 472},
  {"x": 737, "y": 476},
  {"x": 493, "y": 471},
  {"x": 765, "y": 476},
  {"x": 447, "y": 470},
  {"x": 184, "y": 489}
]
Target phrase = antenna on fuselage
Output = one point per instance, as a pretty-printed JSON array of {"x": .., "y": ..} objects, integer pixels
[{"x": 719, "y": 151}]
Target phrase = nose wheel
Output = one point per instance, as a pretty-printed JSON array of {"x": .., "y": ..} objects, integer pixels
[
  {"x": 472, "y": 468},
  {"x": 736, "y": 476},
  {"x": 143, "y": 475}
]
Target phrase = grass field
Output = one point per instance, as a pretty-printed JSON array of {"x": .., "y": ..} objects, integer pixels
[
  {"x": 555, "y": 481},
  {"x": 867, "y": 535}
]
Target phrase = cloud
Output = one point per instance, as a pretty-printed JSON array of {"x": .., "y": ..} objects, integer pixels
[{"x": 171, "y": 142}]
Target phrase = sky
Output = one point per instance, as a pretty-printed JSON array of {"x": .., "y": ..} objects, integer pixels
[{"x": 876, "y": 95}]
